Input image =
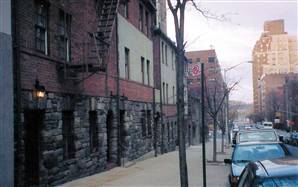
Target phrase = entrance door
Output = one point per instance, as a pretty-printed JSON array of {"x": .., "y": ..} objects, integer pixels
[
  {"x": 110, "y": 137},
  {"x": 33, "y": 124}
]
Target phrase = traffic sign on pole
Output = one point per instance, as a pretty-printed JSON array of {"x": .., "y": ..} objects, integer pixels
[{"x": 195, "y": 70}]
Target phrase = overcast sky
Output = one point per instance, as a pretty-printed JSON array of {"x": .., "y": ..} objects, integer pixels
[{"x": 234, "y": 40}]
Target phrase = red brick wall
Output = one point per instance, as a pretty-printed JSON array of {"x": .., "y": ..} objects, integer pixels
[
  {"x": 35, "y": 65},
  {"x": 169, "y": 110},
  {"x": 45, "y": 68}
]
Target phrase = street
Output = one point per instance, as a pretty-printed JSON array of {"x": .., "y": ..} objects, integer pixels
[{"x": 162, "y": 171}]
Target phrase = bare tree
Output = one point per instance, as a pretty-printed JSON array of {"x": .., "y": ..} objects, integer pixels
[
  {"x": 178, "y": 11},
  {"x": 177, "y": 8},
  {"x": 216, "y": 93}
]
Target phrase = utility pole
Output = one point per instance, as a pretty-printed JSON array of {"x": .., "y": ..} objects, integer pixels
[{"x": 203, "y": 124}]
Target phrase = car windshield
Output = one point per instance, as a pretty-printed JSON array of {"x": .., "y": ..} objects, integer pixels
[
  {"x": 245, "y": 153},
  {"x": 288, "y": 181},
  {"x": 257, "y": 136}
]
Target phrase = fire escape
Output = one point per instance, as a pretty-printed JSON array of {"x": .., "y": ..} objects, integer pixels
[{"x": 94, "y": 53}]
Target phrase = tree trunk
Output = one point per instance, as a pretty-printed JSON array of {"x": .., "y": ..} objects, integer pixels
[
  {"x": 214, "y": 138},
  {"x": 182, "y": 126}
]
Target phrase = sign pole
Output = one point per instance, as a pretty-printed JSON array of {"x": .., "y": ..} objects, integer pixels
[{"x": 203, "y": 124}]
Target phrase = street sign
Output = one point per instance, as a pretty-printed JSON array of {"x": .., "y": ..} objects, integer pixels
[{"x": 196, "y": 70}]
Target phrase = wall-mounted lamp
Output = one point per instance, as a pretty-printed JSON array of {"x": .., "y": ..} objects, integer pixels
[{"x": 40, "y": 90}]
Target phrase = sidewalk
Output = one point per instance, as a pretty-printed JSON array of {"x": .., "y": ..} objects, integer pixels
[{"x": 162, "y": 171}]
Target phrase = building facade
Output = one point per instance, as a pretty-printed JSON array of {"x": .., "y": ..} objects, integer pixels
[
  {"x": 6, "y": 96},
  {"x": 95, "y": 88},
  {"x": 213, "y": 81},
  {"x": 274, "y": 53}
]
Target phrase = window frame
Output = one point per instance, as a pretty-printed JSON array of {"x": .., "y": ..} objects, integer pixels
[
  {"x": 41, "y": 27},
  {"x": 127, "y": 63}
]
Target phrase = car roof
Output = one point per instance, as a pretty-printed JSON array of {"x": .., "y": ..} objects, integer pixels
[
  {"x": 258, "y": 142},
  {"x": 256, "y": 130},
  {"x": 286, "y": 166}
]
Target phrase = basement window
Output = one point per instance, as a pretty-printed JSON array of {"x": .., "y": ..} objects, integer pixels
[
  {"x": 93, "y": 131},
  {"x": 68, "y": 134}
]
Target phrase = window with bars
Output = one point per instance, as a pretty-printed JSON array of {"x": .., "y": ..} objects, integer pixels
[
  {"x": 68, "y": 134},
  {"x": 93, "y": 131},
  {"x": 41, "y": 27},
  {"x": 149, "y": 123},
  {"x": 64, "y": 35}
]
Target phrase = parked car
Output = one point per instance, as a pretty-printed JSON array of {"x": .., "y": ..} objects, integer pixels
[
  {"x": 268, "y": 125},
  {"x": 256, "y": 135},
  {"x": 244, "y": 153},
  {"x": 281, "y": 172}
]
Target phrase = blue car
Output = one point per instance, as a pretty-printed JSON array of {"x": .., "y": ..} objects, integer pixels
[
  {"x": 244, "y": 153},
  {"x": 282, "y": 172}
]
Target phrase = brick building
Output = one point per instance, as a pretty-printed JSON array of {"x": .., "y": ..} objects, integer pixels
[
  {"x": 214, "y": 85},
  {"x": 278, "y": 97},
  {"x": 274, "y": 53},
  {"x": 94, "y": 61}
]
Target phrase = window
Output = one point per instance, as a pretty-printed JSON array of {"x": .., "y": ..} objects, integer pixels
[
  {"x": 142, "y": 69},
  {"x": 149, "y": 125},
  {"x": 126, "y": 9},
  {"x": 68, "y": 134},
  {"x": 198, "y": 60},
  {"x": 167, "y": 93},
  {"x": 41, "y": 28},
  {"x": 162, "y": 53},
  {"x": 147, "y": 23},
  {"x": 164, "y": 93},
  {"x": 143, "y": 123},
  {"x": 126, "y": 63},
  {"x": 172, "y": 131},
  {"x": 173, "y": 60},
  {"x": 166, "y": 54},
  {"x": 211, "y": 59},
  {"x": 64, "y": 33},
  {"x": 148, "y": 72},
  {"x": 141, "y": 17},
  {"x": 168, "y": 126},
  {"x": 93, "y": 131},
  {"x": 173, "y": 94}
]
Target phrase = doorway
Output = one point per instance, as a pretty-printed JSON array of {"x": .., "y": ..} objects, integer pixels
[
  {"x": 110, "y": 138},
  {"x": 33, "y": 125}
]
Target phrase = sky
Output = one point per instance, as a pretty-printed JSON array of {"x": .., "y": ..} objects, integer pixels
[{"x": 234, "y": 39}]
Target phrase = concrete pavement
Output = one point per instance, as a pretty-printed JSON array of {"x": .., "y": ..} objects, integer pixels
[{"x": 162, "y": 171}]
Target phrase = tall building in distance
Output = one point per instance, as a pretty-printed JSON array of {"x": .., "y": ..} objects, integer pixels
[{"x": 274, "y": 53}]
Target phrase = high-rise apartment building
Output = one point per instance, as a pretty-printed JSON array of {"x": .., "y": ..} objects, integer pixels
[{"x": 275, "y": 52}]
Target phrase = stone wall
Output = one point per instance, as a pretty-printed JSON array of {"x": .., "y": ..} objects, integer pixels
[{"x": 53, "y": 167}]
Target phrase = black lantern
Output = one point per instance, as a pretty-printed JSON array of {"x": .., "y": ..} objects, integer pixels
[{"x": 39, "y": 90}]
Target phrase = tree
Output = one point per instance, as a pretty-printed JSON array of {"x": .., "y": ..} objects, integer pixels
[
  {"x": 177, "y": 8},
  {"x": 216, "y": 92},
  {"x": 178, "y": 12}
]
